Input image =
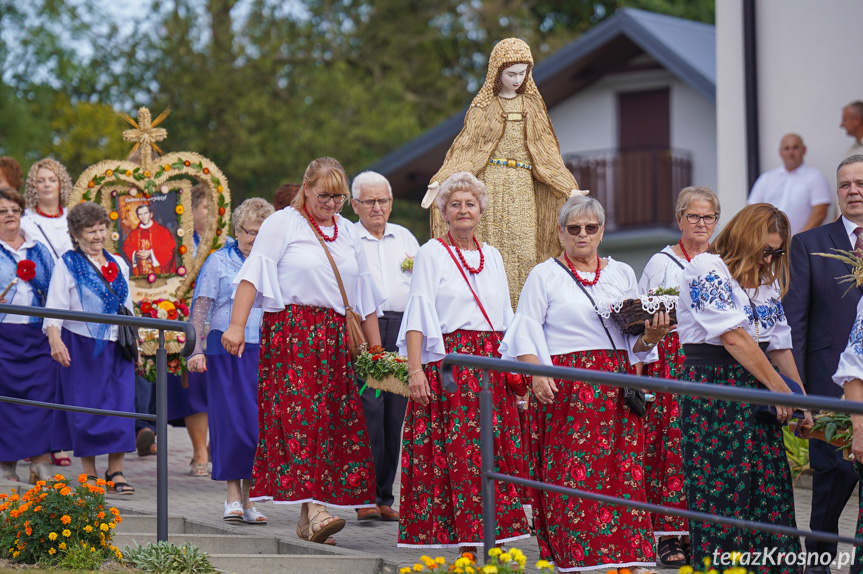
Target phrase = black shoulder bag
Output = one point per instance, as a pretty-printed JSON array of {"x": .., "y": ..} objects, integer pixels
[
  {"x": 634, "y": 397},
  {"x": 127, "y": 337}
]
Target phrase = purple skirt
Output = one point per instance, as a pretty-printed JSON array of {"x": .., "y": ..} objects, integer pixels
[
  {"x": 232, "y": 392},
  {"x": 104, "y": 382},
  {"x": 184, "y": 402},
  {"x": 28, "y": 372}
]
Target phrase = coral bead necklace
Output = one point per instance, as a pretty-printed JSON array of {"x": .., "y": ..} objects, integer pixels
[
  {"x": 683, "y": 249},
  {"x": 463, "y": 260},
  {"x": 318, "y": 227},
  {"x": 584, "y": 282},
  {"x": 48, "y": 215}
]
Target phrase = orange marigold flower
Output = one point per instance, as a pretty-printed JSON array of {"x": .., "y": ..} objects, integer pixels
[
  {"x": 37, "y": 509},
  {"x": 59, "y": 486},
  {"x": 114, "y": 511},
  {"x": 100, "y": 482},
  {"x": 65, "y": 519},
  {"x": 28, "y": 530},
  {"x": 100, "y": 515},
  {"x": 66, "y": 491},
  {"x": 82, "y": 478}
]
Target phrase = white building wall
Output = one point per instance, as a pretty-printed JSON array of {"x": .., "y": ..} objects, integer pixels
[{"x": 693, "y": 128}]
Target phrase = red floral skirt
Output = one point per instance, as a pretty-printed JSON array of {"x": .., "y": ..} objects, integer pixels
[
  {"x": 314, "y": 444},
  {"x": 589, "y": 439},
  {"x": 441, "y": 501},
  {"x": 663, "y": 455}
]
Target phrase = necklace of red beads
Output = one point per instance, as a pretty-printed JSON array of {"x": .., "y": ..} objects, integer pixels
[
  {"x": 49, "y": 216},
  {"x": 683, "y": 249},
  {"x": 463, "y": 260},
  {"x": 318, "y": 227},
  {"x": 584, "y": 282}
]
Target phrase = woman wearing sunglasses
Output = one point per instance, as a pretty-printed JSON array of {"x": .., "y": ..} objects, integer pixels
[
  {"x": 697, "y": 212},
  {"x": 584, "y": 435},
  {"x": 734, "y": 332},
  {"x": 314, "y": 447}
]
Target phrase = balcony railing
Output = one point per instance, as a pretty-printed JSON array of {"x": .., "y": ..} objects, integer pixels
[{"x": 637, "y": 187}]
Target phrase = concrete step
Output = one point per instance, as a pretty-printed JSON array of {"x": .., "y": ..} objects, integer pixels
[
  {"x": 209, "y": 543},
  {"x": 295, "y": 564}
]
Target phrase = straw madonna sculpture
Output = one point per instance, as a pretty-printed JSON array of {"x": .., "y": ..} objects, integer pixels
[
  {"x": 152, "y": 229},
  {"x": 509, "y": 144}
]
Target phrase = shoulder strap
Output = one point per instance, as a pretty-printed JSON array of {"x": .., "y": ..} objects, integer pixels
[
  {"x": 332, "y": 263},
  {"x": 592, "y": 302},
  {"x": 45, "y": 235},
  {"x": 673, "y": 258},
  {"x": 99, "y": 274},
  {"x": 475, "y": 296}
]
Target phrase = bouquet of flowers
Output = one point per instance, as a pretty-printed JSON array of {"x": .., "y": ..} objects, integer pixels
[
  {"x": 174, "y": 340},
  {"x": 163, "y": 309},
  {"x": 630, "y": 314},
  {"x": 383, "y": 371}
]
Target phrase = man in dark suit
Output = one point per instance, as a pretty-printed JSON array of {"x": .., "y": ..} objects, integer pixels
[{"x": 821, "y": 314}]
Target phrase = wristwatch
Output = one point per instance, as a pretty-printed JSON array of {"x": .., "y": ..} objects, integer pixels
[{"x": 647, "y": 345}]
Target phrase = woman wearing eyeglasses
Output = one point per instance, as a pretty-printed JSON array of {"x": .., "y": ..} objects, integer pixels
[
  {"x": 734, "y": 332},
  {"x": 697, "y": 212},
  {"x": 28, "y": 372},
  {"x": 313, "y": 448},
  {"x": 584, "y": 435}
]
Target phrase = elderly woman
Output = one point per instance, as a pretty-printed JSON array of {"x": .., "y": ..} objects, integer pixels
[
  {"x": 440, "y": 487},
  {"x": 46, "y": 193},
  {"x": 25, "y": 357},
  {"x": 313, "y": 447},
  {"x": 94, "y": 371},
  {"x": 697, "y": 212},
  {"x": 232, "y": 382},
  {"x": 583, "y": 435},
  {"x": 732, "y": 327}
]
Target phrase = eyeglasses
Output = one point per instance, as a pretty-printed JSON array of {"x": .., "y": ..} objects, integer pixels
[
  {"x": 249, "y": 233},
  {"x": 370, "y": 203},
  {"x": 15, "y": 211},
  {"x": 767, "y": 252},
  {"x": 325, "y": 198},
  {"x": 694, "y": 218},
  {"x": 590, "y": 229}
]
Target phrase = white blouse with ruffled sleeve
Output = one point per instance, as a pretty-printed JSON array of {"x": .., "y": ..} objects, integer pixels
[
  {"x": 851, "y": 359},
  {"x": 555, "y": 317},
  {"x": 288, "y": 266},
  {"x": 663, "y": 270},
  {"x": 52, "y": 231},
  {"x": 440, "y": 302}
]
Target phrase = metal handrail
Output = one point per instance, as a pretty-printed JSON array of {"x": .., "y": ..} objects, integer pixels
[
  {"x": 705, "y": 390},
  {"x": 161, "y": 416}
]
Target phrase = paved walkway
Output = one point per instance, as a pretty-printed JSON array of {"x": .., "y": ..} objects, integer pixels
[{"x": 201, "y": 499}]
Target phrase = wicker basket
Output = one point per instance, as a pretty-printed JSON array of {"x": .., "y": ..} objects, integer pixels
[
  {"x": 389, "y": 384},
  {"x": 631, "y": 317}
]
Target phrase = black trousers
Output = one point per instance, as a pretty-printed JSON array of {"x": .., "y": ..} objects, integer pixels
[
  {"x": 833, "y": 481},
  {"x": 384, "y": 417}
]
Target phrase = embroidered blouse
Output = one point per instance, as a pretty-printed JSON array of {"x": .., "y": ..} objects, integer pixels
[
  {"x": 851, "y": 360},
  {"x": 662, "y": 271}
]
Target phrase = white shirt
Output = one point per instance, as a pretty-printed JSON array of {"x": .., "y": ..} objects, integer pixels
[
  {"x": 385, "y": 257},
  {"x": 794, "y": 192},
  {"x": 662, "y": 271},
  {"x": 713, "y": 303},
  {"x": 554, "y": 317},
  {"x": 23, "y": 291},
  {"x": 52, "y": 231},
  {"x": 850, "y": 226},
  {"x": 63, "y": 294},
  {"x": 851, "y": 360},
  {"x": 287, "y": 266},
  {"x": 440, "y": 301}
]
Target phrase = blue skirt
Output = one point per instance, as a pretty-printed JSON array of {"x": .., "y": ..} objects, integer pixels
[
  {"x": 104, "y": 382},
  {"x": 189, "y": 401},
  {"x": 28, "y": 372},
  {"x": 232, "y": 394}
]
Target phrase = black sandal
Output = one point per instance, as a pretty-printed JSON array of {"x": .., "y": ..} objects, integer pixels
[
  {"x": 670, "y": 547},
  {"x": 686, "y": 547},
  {"x": 121, "y": 488}
]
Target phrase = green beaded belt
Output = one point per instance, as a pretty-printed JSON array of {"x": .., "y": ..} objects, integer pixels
[{"x": 510, "y": 163}]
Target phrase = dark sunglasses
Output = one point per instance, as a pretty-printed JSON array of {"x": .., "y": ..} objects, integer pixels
[
  {"x": 590, "y": 229},
  {"x": 772, "y": 252}
]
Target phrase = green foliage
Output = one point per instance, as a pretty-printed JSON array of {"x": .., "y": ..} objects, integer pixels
[
  {"x": 167, "y": 558},
  {"x": 797, "y": 451}
]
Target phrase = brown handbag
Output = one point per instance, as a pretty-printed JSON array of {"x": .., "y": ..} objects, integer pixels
[{"x": 356, "y": 337}]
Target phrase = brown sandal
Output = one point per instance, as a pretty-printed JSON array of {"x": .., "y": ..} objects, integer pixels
[{"x": 302, "y": 529}]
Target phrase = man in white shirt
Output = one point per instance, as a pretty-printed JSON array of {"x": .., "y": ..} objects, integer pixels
[
  {"x": 390, "y": 250},
  {"x": 802, "y": 192},
  {"x": 852, "y": 121}
]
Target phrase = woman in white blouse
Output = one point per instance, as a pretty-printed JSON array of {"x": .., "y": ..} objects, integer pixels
[
  {"x": 697, "y": 212},
  {"x": 313, "y": 448},
  {"x": 93, "y": 371},
  {"x": 440, "y": 486},
  {"x": 46, "y": 193},
  {"x": 734, "y": 332},
  {"x": 583, "y": 435}
]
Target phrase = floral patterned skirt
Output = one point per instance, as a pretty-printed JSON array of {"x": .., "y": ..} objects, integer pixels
[
  {"x": 734, "y": 465},
  {"x": 663, "y": 461},
  {"x": 589, "y": 439},
  {"x": 313, "y": 445},
  {"x": 441, "y": 501}
]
